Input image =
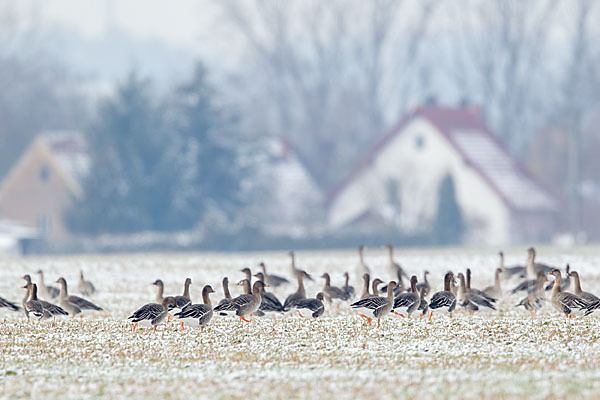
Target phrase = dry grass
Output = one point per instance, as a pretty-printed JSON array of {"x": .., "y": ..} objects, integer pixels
[{"x": 492, "y": 355}]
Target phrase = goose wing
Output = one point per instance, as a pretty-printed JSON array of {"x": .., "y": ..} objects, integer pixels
[
  {"x": 270, "y": 302},
  {"x": 194, "y": 311},
  {"x": 9, "y": 304},
  {"x": 53, "y": 308},
  {"x": 182, "y": 301},
  {"x": 83, "y": 303},
  {"x": 372, "y": 303},
  {"x": 443, "y": 299},
  {"x": 148, "y": 311},
  {"x": 405, "y": 300},
  {"x": 292, "y": 300},
  {"x": 35, "y": 307}
]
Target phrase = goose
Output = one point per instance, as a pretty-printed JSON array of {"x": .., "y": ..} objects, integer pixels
[
  {"x": 86, "y": 288},
  {"x": 444, "y": 298},
  {"x": 47, "y": 292},
  {"x": 272, "y": 280},
  {"x": 332, "y": 292},
  {"x": 40, "y": 308},
  {"x": 298, "y": 295},
  {"x": 160, "y": 287},
  {"x": 565, "y": 302},
  {"x": 477, "y": 292},
  {"x": 408, "y": 303},
  {"x": 153, "y": 312},
  {"x": 8, "y": 304},
  {"x": 425, "y": 284},
  {"x": 374, "y": 287},
  {"x": 532, "y": 267},
  {"x": 270, "y": 302},
  {"x": 73, "y": 304},
  {"x": 362, "y": 267},
  {"x": 395, "y": 268},
  {"x": 376, "y": 307},
  {"x": 315, "y": 305},
  {"x": 534, "y": 301},
  {"x": 365, "y": 290},
  {"x": 509, "y": 272},
  {"x": 469, "y": 298},
  {"x": 27, "y": 279},
  {"x": 423, "y": 304},
  {"x": 184, "y": 299},
  {"x": 198, "y": 314},
  {"x": 565, "y": 283},
  {"x": 245, "y": 304},
  {"x": 495, "y": 291},
  {"x": 296, "y": 271},
  {"x": 348, "y": 290},
  {"x": 247, "y": 289},
  {"x": 587, "y": 296},
  {"x": 227, "y": 294}
]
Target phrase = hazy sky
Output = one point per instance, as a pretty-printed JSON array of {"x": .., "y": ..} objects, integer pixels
[{"x": 181, "y": 22}]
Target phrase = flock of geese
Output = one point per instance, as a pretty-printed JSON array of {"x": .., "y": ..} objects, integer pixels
[{"x": 375, "y": 301}]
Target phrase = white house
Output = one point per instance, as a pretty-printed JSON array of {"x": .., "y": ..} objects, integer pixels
[{"x": 396, "y": 183}]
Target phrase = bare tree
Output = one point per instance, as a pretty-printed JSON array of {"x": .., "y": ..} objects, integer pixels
[
  {"x": 329, "y": 76},
  {"x": 499, "y": 61}
]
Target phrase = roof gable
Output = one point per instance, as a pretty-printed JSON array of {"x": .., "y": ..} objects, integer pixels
[{"x": 479, "y": 148}]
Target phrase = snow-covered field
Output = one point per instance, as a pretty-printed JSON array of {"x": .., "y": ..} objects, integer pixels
[{"x": 492, "y": 354}]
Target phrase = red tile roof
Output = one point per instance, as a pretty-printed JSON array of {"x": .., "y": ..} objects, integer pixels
[{"x": 479, "y": 148}]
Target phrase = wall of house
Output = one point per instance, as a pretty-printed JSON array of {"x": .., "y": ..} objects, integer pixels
[
  {"x": 35, "y": 194},
  {"x": 414, "y": 163}
]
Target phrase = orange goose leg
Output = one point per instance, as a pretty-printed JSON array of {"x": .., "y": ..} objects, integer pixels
[
  {"x": 243, "y": 319},
  {"x": 134, "y": 326},
  {"x": 430, "y": 315}
]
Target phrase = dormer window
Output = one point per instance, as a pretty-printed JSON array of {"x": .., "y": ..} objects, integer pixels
[
  {"x": 44, "y": 174},
  {"x": 419, "y": 142}
]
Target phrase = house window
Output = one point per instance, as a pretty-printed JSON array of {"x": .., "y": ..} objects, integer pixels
[
  {"x": 44, "y": 223},
  {"x": 419, "y": 142},
  {"x": 392, "y": 188},
  {"x": 44, "y": 174}
]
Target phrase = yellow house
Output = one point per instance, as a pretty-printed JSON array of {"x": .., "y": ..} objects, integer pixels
[{"x": 43, "y": 182}]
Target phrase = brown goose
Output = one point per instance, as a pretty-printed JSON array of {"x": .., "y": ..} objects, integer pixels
[
  {"x": 198, "y": 314},
  {"x": 365, "y": 290},
  {"x": 332, "y": 292},
  {"x": 587, "y": 296},
  {"x": 565, "y": 283},
  {"x": 84, "y": 287},
  {"x": 272, "y": 280},
  {"x": 477, "y": 292},
  {"x": 270, "y": 302},
  {"x": 153, "y": 312},
  {"x": 315, "y": 305},
  {"x": 445, "y": 298},
  {"x": 533, "y": 267},
  {"x": 396, "y": 269},
  {"x": 348, "y": 290},
  {"x": 509, "y": 272},
  {"x": 245, "y": 304},
  {"x": 27, "y": 279},
  {"x": 296, "y": 271},
  {"x": 47, "y": 292},
  {"x": 534, "y": 301},
  {"x": 376, "y": 307},
  {"x": 227, "y": 294},
  {"x": 425, "y": 284},
  {"x": 565, "y": 302},
  {"x": 40, "y": 308},
  {"x": 496, "y": 290},
  {"x": 73, "y": 304},
  {"x": 184, "y": 299},
  {"x": 298, "y": 295},
  {"x": 362, "y": 267},
  {"x": 405, "y": 304}
]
